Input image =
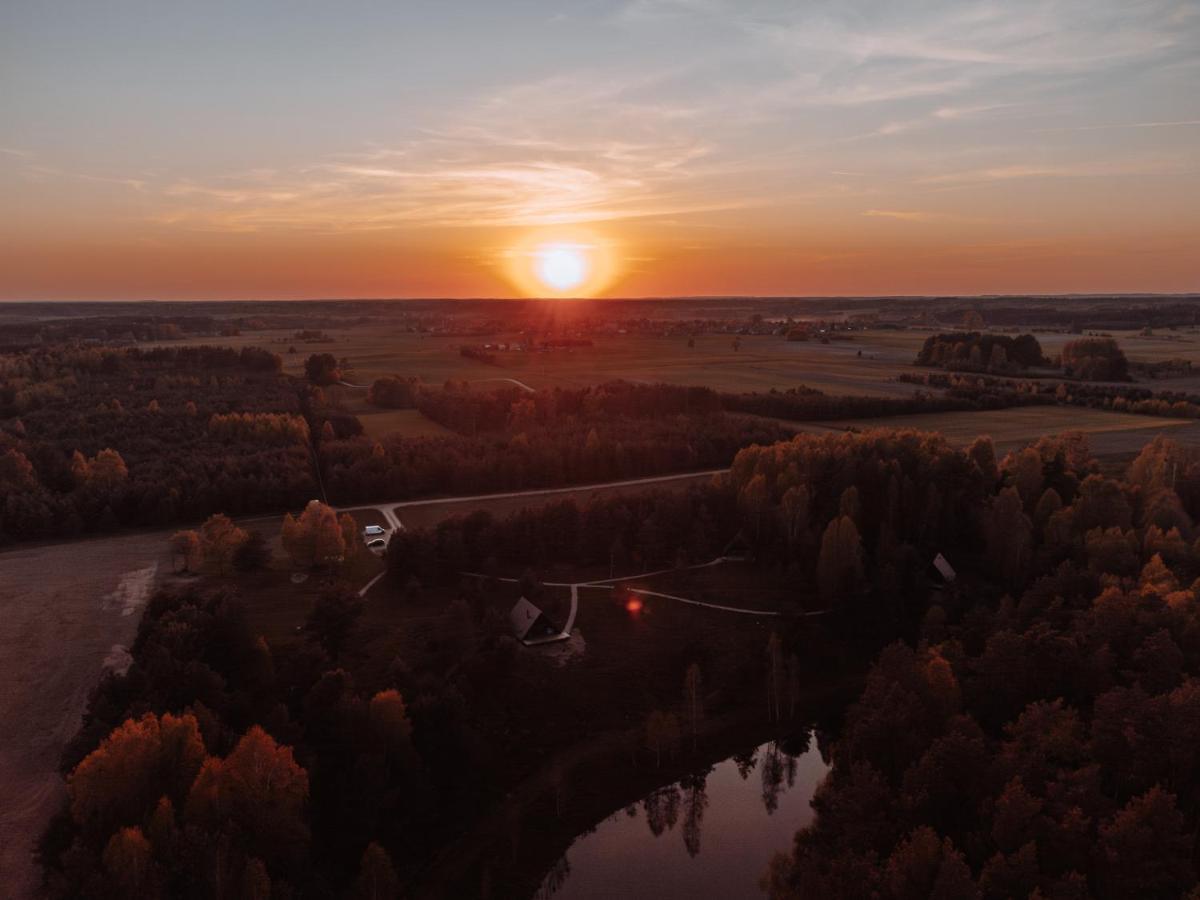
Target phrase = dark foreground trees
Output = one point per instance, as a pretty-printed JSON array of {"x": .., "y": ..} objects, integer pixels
[{"x": 1041, "y": 743}]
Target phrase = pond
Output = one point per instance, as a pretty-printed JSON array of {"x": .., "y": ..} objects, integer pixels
[{"x": 709, "y": 835}]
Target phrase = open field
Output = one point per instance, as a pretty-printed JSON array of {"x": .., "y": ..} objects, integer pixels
[
  {"x": 378, "y": 422},
  {"x": 1108, "y": 432},
  {"x": 762, "y": 363},
  {"x": 67, "y": 611},
  {"x": 409, "y": 423}
]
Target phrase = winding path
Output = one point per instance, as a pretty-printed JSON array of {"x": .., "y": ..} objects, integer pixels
[{"x": 611, "y": 583}]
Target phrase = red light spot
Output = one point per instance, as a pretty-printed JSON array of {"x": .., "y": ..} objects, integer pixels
[{"x": 634, "y": 605}]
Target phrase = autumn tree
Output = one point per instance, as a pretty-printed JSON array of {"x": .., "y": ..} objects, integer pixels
[
  {"x": 16, "y": 472},
  {"x": 1147, "y": 850},
  {"x": 253, "y": 554},
  {"x": 185, "y": 548},
  {"x": 107, "y": 471},
  {"x": 840, "y": 563},
  {"x": 389, "y": 721},
  {"x": 257, "y": 792},
  {"x": 129, "y": 864},
  {"x": 220, "y": 539},
  {"x": 332, "y": 620},
  {"x": 1010, "y": 537},
  {"x": 142, "y": 760},
  {"x": 322, "y": 369},
  {"x": 316, "y": 538}
]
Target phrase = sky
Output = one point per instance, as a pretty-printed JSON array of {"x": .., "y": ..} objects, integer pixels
[{"x": 286, "y": 148}]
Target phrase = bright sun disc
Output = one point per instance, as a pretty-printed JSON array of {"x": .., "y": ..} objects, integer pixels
[{"x": 561, "y": 266}]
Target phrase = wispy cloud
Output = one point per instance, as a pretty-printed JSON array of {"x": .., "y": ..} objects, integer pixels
[
  {"x": 1180, "y": 123},
  {"x": 1074, "y": 170},
  {"x": 905, "y": 215}
]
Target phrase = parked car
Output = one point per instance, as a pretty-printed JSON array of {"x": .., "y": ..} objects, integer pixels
[
  {"x": 377, "y": 546},
  {"x": 374, "y": 531}
]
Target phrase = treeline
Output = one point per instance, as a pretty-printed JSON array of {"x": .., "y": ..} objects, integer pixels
[
  {"x": 218, "y": 763},
  {"x": 97, "y": 439},
  {"x": 1095, "y": 359},
  {"x": 806, "y": 404},
  {"x": 977, "y": 352},
  {"x": 469, "y": 412},
  {"x": 1039, "y": 742},
  {"x": 570, "y": 451},
  {"x": 853, "y": 519},
  {"x": 1085, "y": 359},
  {"x": 629, "y": 532},
  {"x": 1119, "y": 398}
]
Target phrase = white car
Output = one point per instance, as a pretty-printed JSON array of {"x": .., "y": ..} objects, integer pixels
[
  {"x": 377, "y": 546},
  {"x": 374, "y": 531}
]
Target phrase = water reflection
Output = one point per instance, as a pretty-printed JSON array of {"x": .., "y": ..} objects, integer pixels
[{"x": 653, "y": 848}]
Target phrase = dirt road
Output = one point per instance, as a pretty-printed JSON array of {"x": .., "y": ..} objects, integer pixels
[{"x": 67, "y": 612}]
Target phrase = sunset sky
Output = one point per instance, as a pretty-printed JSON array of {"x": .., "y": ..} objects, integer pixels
[{"x": 368, "y": 149}]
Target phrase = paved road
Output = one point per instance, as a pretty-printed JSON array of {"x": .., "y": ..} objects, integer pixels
[{"x": 390, "y": 514}]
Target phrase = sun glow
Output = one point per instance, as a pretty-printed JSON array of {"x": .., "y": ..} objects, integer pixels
[
  {"x": 570, "y": 262},
  {"x": 562, "y": 267}
]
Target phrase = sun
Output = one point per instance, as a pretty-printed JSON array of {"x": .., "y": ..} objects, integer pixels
[
  {"x": 561, "y": 262},
  {"x": 560, "y": 266}
]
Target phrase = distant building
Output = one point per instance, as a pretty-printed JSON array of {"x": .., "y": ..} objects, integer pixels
[{"x": 529, "y": 624}]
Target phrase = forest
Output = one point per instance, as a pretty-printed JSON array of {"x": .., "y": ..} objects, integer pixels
[
  {"x": 973, "y": 351},
  {"x": 92, "y": 435},
  {"x": 400, "y": 760},
  {"x": 98, "y": 439},
  {"x": 1084, "y": 359},
  {"x": 1037, "y": 737}
]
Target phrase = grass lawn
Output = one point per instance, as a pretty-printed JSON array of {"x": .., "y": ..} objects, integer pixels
[{"x": 380, "y": 423}]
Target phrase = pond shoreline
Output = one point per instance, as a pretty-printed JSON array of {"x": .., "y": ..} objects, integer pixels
[{"x": 509, "y": 850}]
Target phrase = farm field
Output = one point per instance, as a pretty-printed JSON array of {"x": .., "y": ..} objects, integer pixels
[
  {"x": 379, "y": 422},
  {"x": 763, "y": 362},
  {"x": 68, "y": 612},
  {"x": 1108, "y": 432},
  {"x": 409, "y": 423}
]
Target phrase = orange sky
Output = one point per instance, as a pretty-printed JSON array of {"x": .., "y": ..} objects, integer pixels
[{"x": 700, "y": 146}]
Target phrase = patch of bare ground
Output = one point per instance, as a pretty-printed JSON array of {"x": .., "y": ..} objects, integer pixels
[{"x": 67, "y": 611}]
